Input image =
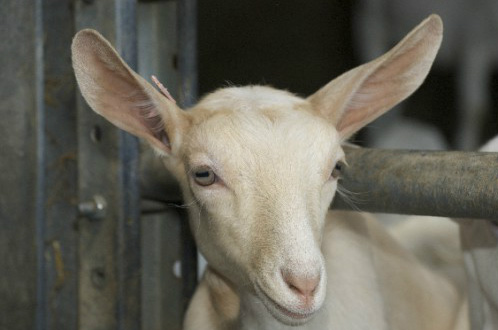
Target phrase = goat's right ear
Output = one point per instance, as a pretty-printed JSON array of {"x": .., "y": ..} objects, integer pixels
[
  {"x": 362, "y": 94},
  {"x": 116, "y": 92}
]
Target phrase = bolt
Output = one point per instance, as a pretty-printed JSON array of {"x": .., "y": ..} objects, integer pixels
[
  {"x": 98, "y": 277},
  {"x": 96, "y": 134},
  {"x": 177, "y": 269},
  {"x": 94, "y": 209}
]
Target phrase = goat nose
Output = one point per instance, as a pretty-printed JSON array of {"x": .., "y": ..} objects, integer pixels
[{"x": 303, "y": 286}]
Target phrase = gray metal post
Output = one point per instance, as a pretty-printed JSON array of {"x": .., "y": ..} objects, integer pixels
[
  {"x": 162, "y": 243},
  {"x": 38, "y": 240},
  {"x": 187, "y": 52},
  {"x": 109, "y": 274},
  {"x": 21, "y": 220},
  {"x": 58, "y": 302},
  {"x": 450, "y": 184},
  {"x": 187, "y": 69}
]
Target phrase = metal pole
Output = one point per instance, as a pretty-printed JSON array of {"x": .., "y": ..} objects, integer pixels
[
  {"x": 187, "y": 74},
  {"x": 58, "y": 148},
  {"x": 449, "y": 183},
  {"x": 187, "y": 52},
  {"x": 109, "y": 238}
]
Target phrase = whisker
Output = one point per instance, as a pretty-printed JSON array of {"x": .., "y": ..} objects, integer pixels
[
  {"x": 351, "y": 198},
  {"x": 185, "y": 206}
]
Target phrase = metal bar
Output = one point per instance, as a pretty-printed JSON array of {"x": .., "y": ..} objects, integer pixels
[
  {"x": 59, "y": 239},
  {"x": 158, "y": 49},
  {"x": 40, "y": 216},
  {"x": 20, "y": 284},
  {"x": 128, "y": 235},
  {"x": 187, "y": 52},
  {"x": 188, "y": 90},
  {"x": 38, "y": 242},
  {"x": 110, "y": 256},
  {"x": 162, "y": 281},
  {"x": 450, "y": 184},
  {"x": 189, "y": 261},
  {"x": 149, "y": 1}
]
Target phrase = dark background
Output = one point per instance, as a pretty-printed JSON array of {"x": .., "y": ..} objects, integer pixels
[{"x": 301, "y": 45}]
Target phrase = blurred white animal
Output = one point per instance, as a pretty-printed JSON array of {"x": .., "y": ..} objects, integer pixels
[
  {"x": 480, "y": 250},
  {"x": 435, "y": 241},
  {"x": 438, "y": 243},
  {"x": 469, "y": 49}
]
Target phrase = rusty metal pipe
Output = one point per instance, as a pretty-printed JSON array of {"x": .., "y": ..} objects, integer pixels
[
  {"x": 450, "y": 183},
  {"x": 438, "y": 183}
]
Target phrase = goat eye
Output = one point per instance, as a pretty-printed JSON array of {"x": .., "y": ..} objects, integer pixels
[
  {"x": 336, "y": 172},
  {"x": 204, "y": 176}
]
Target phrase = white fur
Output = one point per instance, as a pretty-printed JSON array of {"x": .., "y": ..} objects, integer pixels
[
  {"x": 491, "y": 145},
  {"x": 480, "y": 251}
]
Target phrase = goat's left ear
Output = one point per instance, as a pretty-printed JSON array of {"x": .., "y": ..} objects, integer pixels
[
  {"x": 360, "y": 95},
  {"x": 119, "y": 94}
]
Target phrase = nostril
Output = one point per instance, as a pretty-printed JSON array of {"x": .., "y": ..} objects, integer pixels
[
  {"x": 293, "y": 288},
  {"x": 304, "y": 286}
]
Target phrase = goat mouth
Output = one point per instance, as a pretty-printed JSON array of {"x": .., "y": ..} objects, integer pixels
[{"x": 282, "y": 313}]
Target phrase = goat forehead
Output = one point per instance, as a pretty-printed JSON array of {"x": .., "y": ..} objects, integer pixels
[
  {"x": 251, "y": 98},
  {"x": 253, "y": 111},
  {"x": 266, "y": 140}
]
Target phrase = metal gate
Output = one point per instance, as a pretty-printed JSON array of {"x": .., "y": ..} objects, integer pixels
[
  {"x": 71, "y": 227},
  {"x": 89, "y": 236}
]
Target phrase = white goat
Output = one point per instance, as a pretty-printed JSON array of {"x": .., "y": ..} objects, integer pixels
[{"x": 260, "y": 167}]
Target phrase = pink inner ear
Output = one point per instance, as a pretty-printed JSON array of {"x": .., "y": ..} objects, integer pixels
[
  {"x": 116, "y": 92},
  {"x": 153, "y": 121},
  {"x": 122, "y": 88},
  {"x": 364, "y": 93},
  {"x": 356, "y": 111}
]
